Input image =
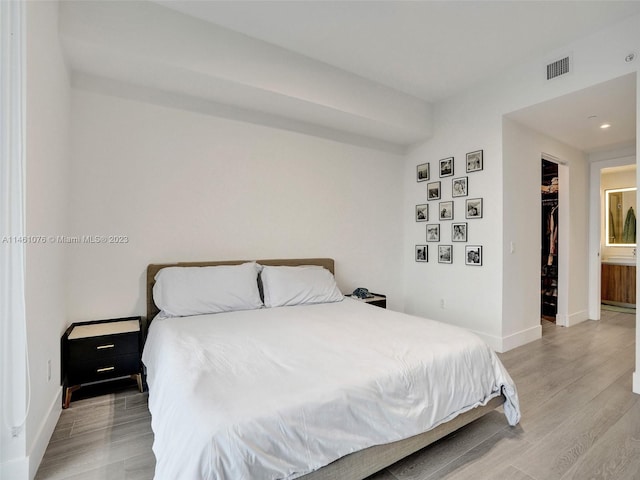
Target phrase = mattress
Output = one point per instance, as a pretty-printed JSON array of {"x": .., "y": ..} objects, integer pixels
[{"x": 277, "y": 393}]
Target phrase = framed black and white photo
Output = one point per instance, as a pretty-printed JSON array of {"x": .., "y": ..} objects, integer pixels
[
  {"x": 446, "y": 210},
  {"x": 446, "y": 167},
  {"x": 445, "y": 253},
  {"x": 459, "y": 187},
  {"x": 422, "y": 172},
  {"x": 422, "y": 253},
  {"x": 433, "y": 191},
  {"x": 433, "y": 232},
  {"x": 473, "y": 255},
  {"x": 474, "y": 161},
  {"x": 422, "y": 213},
  {"x": 473, "y": 208},
  {"x": 459, "y": 232}
]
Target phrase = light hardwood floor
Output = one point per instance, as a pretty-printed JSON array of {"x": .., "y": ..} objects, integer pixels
[{"x": 580, "y": 420}]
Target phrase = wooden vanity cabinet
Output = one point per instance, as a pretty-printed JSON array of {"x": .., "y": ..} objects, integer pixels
[{"x": 618, "y": 284}]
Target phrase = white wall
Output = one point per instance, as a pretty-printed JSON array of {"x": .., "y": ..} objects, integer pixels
[
  {"x": 48, "y": 106},
  {"x": 523, "y": 149},
  {"x": 472, "y": 295},
  {"x": 185, "y": 186},
  {"x": 478, "y": 298}
]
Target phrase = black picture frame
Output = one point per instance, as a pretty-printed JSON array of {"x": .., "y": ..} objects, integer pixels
[
  {"x": 445, "y": 210},
  {"x": 460, "y": 187},
  {"x": 422, "y": 172},
  {"x": 445, "y": 253},
  {"x": 422, "y": 253},
  {"x": 433, "y": 191},
  {"x": 473, "y": 255},
  {"x": 433, "y": 232},
  {"x": 475, "y": 161},
  {"x": 473, "y": 208},
  {"x": 459, "y": 232},
  {"x": 422, "y": 212},
  {"x": 446, "y": 167}
]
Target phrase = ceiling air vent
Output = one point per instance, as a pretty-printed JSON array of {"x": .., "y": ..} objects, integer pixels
[{"x": 557, "y": 68}]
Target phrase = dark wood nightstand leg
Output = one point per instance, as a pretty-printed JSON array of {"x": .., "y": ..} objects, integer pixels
[
  {"x": 67, "y": 395},
  {"x": 138, "y": 377}
]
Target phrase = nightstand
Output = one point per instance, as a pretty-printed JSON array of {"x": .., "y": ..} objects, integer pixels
[
  {"x": 378, "y": 300},
  {"x": 100, "y": 350}
]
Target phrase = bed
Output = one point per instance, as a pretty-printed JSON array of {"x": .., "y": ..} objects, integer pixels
[{"x": 316, "y": 390}]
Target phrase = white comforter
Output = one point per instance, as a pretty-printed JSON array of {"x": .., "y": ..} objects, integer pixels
[{"x": 277, "y": 393}]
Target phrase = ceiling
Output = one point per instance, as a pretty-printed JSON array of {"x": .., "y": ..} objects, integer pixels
[
  {"x": 372, "y": 69},
  {"x": 575, "y": 119},
  {"x": 429, "y": 49}
]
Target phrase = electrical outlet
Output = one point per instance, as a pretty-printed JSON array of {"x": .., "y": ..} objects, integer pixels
[
  {"x": 442, "y": 303},
  {"x": 49, "y": 370}
]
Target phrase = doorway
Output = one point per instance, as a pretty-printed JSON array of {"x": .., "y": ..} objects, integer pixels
[
  {"x": 620, "y": 160},
  {"x": 549, "y": 252}
]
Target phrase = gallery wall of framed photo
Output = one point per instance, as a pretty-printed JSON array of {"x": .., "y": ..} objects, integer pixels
[{"x": 449, "y": 218}]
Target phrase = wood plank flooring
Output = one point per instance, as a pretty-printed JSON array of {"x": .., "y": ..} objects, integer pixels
[{"x": 580, "y": 420}]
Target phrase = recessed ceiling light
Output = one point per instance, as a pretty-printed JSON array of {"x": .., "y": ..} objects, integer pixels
[{"x": 604, "y": 126}]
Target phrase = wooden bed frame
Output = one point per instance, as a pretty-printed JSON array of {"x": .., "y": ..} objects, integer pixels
[{"x": 363, "y": 463}]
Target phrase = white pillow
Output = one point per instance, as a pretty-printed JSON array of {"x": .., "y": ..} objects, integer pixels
[
  {"x": 184, "y": 291},
  {"x": 298, "y": 285}
]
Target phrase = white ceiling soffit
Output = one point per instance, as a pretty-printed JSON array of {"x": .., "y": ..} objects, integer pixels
[
  {"x": 146, "y": 45},
  {"x": 575, "y": 118}
]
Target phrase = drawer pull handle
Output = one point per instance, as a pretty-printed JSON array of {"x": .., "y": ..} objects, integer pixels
[
  {"x": 105, "y": 369},
  {"x": 102, "y": 347}
]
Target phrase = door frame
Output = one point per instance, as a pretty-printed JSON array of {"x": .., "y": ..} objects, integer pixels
[
  {"x": 562, "y": 314},
  {"x": 595, "y": 223}
]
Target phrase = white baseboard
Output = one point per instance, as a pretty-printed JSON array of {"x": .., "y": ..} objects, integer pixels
[
  {"x": 521, "y": 338},
  {"x": 43, "y": 436},
  {"x": 572, "y": 319},
  {"x": 494, "y": 342},
  {"x": 636, "y": 382},
  {"x": 503, "y": 344},
  {"x": 15, "y": 469}
]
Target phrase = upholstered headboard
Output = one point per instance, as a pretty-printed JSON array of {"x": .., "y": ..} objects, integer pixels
[{"x": 152, "y": 269}]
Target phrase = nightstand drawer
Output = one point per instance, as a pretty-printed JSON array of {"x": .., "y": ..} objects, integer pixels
[
  {"x": 93, "y": 370},
  {"x": 94, "y": 348}
]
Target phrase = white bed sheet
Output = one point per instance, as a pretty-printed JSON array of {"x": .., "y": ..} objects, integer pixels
[{"x": 277, "y": 393}]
